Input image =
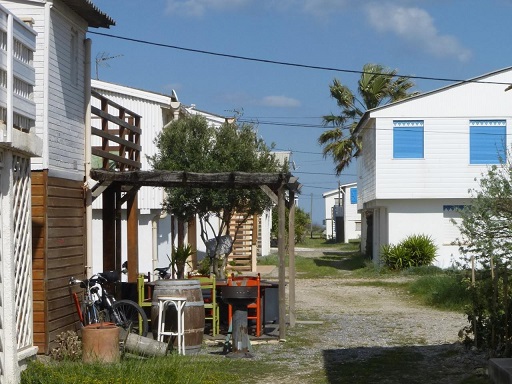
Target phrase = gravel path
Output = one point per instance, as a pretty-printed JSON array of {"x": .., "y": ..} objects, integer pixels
[{"x": 359, "y": 324}]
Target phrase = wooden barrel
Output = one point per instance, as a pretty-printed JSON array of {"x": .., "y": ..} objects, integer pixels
[{"x": 194, "y": 310}]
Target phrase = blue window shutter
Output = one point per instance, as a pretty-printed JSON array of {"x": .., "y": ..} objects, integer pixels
[
  {"x": 408, "y": 139},
  {"x": 487, "y": 141},
  {"x": 353, "y": 195}
]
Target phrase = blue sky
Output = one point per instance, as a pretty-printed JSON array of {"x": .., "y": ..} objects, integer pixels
[{"x": 452, "y": 39}]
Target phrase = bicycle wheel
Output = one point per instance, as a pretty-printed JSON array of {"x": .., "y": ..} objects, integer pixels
[{"x": 130, "y": 316}]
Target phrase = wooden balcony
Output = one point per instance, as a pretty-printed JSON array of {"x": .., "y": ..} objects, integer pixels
[{"x": 116, "y": 136}]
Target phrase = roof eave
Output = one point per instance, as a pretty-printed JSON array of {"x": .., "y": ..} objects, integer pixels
[{"x": 94, "y": 17}]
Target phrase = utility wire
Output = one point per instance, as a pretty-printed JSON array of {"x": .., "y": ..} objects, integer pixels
[{"x": 286, "y": 63}]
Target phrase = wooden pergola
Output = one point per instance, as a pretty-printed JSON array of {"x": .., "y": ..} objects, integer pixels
[{"x": 275, "y": 185}]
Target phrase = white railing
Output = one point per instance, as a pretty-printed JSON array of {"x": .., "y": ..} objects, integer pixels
[{"x": 17, "y": 46}]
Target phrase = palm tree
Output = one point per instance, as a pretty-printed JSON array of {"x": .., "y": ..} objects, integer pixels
[{"x": 377, "y": 86}]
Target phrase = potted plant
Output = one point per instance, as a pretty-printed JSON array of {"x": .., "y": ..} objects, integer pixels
[{"x": 179, "y": 259}]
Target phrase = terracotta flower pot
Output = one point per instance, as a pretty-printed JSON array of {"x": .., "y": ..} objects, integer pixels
[{"x": 100, "y": 343}]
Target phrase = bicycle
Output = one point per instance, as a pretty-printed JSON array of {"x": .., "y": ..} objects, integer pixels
[{"x": 99, "y": 306}]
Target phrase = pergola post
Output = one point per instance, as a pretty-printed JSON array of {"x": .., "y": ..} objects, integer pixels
[
  {"x": 291, "y": 256},
  {"x": 132, "y": 237},
  {"x": 281, "y": 210},
  {"x": 109, "y": 228}
]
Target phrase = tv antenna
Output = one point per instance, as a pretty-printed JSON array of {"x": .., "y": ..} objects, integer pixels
[{"x": 101, "y": 60}]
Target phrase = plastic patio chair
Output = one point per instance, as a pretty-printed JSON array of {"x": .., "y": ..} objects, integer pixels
[{"x": 211, "y": 307}]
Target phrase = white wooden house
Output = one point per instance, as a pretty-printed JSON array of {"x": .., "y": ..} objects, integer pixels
[
  {"x": 420, "y": 157},
  {"x": 342, "y": 220},
  {"x": 61, "y": 90},
  {"x": 18, "y": 144}
]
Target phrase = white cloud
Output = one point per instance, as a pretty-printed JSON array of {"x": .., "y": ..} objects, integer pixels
[
  {"x": 280, "y": 102},
  {"x": 197, "y": 8},
  {"x": 416, "y": 26}
]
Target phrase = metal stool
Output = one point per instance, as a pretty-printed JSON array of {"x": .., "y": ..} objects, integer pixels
[{"x": 179, "y": 303}]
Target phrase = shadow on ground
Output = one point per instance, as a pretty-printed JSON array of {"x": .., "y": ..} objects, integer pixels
[
  {"x": 342, "y": 261},
  {"x": 449, "y": 363}
]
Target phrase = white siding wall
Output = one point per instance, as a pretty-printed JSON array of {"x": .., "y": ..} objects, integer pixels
[
  {"x": 366, "y": 168},
  {"x": 154, "y": 116},
  {"x": 350, "y": 213},
  {"x": 66, "y": 103},
  {"x": 425, "y": 216},
  {"x": 265, "y": 228},
  {"x": 444, "y": 172},
  {"x": 351, "y": 217},
  {"x": 63, "y": 139},
  {"x": 329, "y": 201}
]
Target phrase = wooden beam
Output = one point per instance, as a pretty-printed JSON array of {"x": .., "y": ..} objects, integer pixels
[
  {"x": 192, "y": 179},
  {"x": 270, "y": 193},
  {"x": 281, "y": 209},
  {"x": 118, "y": 159},
  {"x": 116, "y": 139},
  {"x": 109, "y": 233},
  {"x": 291, "y": 258}
]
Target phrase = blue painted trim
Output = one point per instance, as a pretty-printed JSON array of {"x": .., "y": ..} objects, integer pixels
[{"x": 353, "y": 195}]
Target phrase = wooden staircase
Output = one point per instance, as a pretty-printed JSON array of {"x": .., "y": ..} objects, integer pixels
[{"x": 240, "y": 259}]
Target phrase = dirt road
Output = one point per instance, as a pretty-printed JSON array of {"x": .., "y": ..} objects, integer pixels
[{"x": 352, "y": 332}]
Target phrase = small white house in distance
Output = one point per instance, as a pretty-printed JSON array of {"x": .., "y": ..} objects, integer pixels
[
  {"x": 342, "y": 221},
  {"x": 420, "y": 156}
]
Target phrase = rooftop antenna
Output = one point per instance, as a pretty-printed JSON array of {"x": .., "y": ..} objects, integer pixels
[{"x": 101, "y": 59}]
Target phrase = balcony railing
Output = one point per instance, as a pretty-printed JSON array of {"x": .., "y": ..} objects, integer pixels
[{"x": 116, "y": 135}]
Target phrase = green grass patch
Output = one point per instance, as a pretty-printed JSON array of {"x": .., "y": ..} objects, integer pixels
[
  {"x": 317, "y": 242},
  {"x": 171, "y": 369},
  {"x": 330, "y": 265},
  {"x": 444, "y": 291}
]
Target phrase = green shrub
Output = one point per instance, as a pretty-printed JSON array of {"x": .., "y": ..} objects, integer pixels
[{"x": 414, "y": 251}]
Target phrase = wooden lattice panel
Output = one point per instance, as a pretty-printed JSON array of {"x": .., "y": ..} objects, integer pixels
[
  {"x": 241, "y": 257},
  {"x": 22, "y": 249}
]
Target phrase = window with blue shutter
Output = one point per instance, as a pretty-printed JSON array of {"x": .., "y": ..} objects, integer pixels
[
  {"x": 408, "y": 139},
  {"x": 353, "y": 195},
  {"x": 487, "y": 141}
]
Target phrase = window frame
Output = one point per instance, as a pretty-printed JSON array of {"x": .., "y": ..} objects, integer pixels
[
  {"x": 482, "y": 149},
  {"x": 405, "y": 131}
]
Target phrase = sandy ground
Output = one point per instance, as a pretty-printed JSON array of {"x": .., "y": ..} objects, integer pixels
[{"x": 344, "y": 322}]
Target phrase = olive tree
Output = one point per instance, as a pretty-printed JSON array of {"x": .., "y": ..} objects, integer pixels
[
  {"x": 190, "y": 144},
  {"x": 486, "y": 245}
]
